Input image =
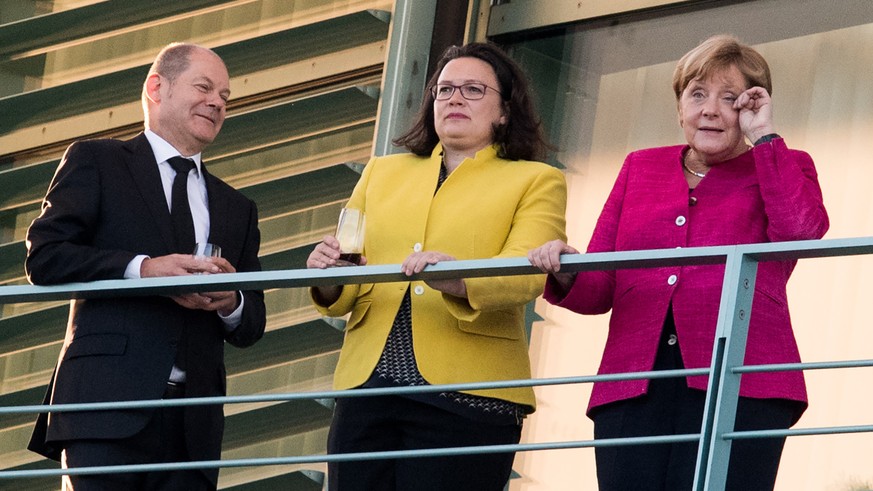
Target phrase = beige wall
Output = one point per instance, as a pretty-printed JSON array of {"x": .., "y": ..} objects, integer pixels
[{"x": 616, "y": 98}]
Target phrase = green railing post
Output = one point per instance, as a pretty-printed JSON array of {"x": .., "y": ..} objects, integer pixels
[
  {"x": 729, "y": 349},
  {"x": 406, "y": 74}
]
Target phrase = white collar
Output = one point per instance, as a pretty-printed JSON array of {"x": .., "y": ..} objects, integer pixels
[{"x": 164, "y": 151}]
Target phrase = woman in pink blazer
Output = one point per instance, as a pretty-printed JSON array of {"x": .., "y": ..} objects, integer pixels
[{"x": 715, "y": 190}]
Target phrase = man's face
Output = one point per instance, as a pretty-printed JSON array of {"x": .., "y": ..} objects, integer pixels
[{"x": 188, "y": 112}]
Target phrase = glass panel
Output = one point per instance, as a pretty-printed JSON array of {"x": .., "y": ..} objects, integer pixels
[
  {"x": 15, "y": 10},
  {"x": 120, "y": 47},
  {"x": 605, "y": 90}
]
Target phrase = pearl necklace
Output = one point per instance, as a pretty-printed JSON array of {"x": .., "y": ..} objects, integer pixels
[{"x": 692, "y": 172}]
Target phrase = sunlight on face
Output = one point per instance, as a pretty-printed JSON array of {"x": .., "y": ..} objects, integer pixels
[
  {"x": 463, "y": 125},
  {"x": 708, "y": 118},
  {"x": 192, "y": 107}
]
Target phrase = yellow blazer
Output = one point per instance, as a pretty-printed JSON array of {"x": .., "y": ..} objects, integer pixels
[{"x": 488, "y": 207}]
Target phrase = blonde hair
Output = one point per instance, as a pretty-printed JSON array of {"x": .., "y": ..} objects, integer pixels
[{"x": 719, "y": 53}]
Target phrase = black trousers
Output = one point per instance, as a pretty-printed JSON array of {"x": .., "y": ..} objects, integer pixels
[
  {"x": 671, "y": 408},
  {"x": 371, "y": 424},
  {"x": 162, "y": 440}
]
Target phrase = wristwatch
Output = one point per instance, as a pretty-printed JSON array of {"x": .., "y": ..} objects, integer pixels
[{"x": 766, "y": 138}]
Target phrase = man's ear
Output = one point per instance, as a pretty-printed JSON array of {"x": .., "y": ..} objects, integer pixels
[{"x": 153, "y": 85}]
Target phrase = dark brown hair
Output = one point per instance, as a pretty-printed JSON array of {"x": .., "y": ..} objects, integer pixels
[
  {"x": 521, "y": 138},
  {"x": 719, "y": 53}
]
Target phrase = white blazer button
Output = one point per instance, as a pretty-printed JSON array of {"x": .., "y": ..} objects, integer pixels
[
  {"x": 672, "y": 279},
  {"x": 680, "y": 220},
  {"x": 672, "y": 340},
  {"x": 419, "y": 290},
  {"x": 417, "y": 247}
]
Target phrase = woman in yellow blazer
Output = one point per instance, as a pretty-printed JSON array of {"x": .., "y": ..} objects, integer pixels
[{"x": 468, "y": 190}]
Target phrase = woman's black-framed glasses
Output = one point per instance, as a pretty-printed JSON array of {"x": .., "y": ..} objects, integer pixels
[{"x": 469, "y": 91}]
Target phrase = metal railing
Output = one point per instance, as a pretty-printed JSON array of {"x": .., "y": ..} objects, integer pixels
[{"x": 717, "y": 431}]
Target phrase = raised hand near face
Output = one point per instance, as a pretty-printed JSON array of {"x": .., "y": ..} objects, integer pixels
[{"x": 756, "y": 113}]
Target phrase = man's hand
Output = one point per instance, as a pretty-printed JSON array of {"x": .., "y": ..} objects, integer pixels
[
  {"x": 222, "y": 302},
  {"x": 179, "y": 265},
  {"x": 185, "y": 264}
]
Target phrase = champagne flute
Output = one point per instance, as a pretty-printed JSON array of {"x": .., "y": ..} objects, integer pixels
[{"x": 350, "y": 234}]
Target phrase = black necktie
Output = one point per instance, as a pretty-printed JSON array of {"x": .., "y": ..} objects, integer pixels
[
  {"x": 183, "y": 227},
  {"x": 183, "y": 224}
]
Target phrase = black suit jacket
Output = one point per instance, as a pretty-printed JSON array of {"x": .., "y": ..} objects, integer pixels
[{"x": 106, "y": 205}]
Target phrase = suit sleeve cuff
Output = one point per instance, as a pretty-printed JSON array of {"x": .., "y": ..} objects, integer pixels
[
  {"x": 132, "y": 272},
  {"x": 235, "y": 318}
]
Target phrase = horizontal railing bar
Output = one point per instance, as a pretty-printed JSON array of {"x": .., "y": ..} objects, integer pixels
[
  {"x": 337, "y": 394},
  {"x": 829, "y": 430},
  {"x": 347, "y": 457},
  {"x": 309, "y": 459},
  {"x": 807, "y": 249},
  {"x": 523, "y": 447},
  {"x": 296, "y": 278},
  {"x": 788, "y": 367}
]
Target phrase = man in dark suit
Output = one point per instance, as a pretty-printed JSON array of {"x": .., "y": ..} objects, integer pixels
[{"x": 116, "y": 209}]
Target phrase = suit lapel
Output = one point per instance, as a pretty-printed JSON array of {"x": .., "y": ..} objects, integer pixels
[
  {"x": 412, "y": 206},
  {"x": 218, "y": 211},
  {"x": 147, "y": 179}
]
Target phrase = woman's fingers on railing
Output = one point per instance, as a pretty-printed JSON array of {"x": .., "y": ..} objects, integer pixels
[
  {"x": 417, "y": 261},
  {"x": 547, "y": 257}
]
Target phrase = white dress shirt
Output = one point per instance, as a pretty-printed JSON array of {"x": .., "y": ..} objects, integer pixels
[{"x": 199, "y": 203}]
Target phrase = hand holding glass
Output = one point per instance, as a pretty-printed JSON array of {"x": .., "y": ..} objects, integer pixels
[
  {"x": 350, "y": 234},
  {"x": 205, "y": 249}
]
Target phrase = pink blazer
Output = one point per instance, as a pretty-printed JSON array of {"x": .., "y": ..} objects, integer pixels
[{"x": 768, "y": 194}]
